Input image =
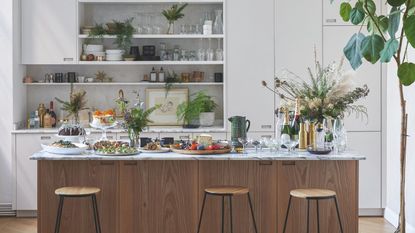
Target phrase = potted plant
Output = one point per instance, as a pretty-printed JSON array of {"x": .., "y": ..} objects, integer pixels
[
  {"x": 207, "y": 116},
  {"x": 189, "y": 112},
  {"x": 76, "y": 103},
  {"x": 173, "y": 14},
  {"x": 124, "y": 33}
]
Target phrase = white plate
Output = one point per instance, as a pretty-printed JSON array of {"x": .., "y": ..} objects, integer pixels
[
  {"x": 65, "y": 151},
  {"x": 162, "y": 150},
  {"x": 114, "y": 51}
]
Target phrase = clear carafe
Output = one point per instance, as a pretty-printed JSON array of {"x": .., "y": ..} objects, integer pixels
[{"x": 218, "y": 24}]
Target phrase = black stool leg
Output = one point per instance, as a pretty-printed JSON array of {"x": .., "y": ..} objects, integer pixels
[
  {"x": 223, "y": 214},
  {"x": 318, "y": 218},
  {"x": 308, "y": 215},
  {"x": 286, "y": 215},
  {"x": 201, "y": 213},
  {"x": 230, "y": 211},
  {"x": 96, "y": 215},
  {"x": 252, "y": 212},
  {"x": 59, "y": 215},
  {"x": 338, "y": 214}
]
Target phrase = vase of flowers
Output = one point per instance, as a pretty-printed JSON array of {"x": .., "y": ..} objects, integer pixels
[
  {"x": 173, "y": 14},
  {"x": 77, "y": 102}
]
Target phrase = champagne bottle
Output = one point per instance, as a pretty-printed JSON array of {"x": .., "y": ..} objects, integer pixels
[
  {"x": 295, "y": 125},
  {"x": 302, "y": 144},
  {"x": 286, "y": 129}
]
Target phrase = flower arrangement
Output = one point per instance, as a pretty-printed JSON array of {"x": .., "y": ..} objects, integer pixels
[
  {"x": 77, "y": 102},
  {"x": 173, "y": 14},
  {"x": 329, "y": 93}
]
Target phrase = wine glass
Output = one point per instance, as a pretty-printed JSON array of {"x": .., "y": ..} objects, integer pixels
[
  {"x": 263, "y": 142},
  {"x": 244, "y": 143},
  {"x": 286, "y": 141},
  {"x": 256, "y": 143}
]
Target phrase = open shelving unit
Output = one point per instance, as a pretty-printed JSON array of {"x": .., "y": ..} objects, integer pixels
[{"x": 155, "y": 84}]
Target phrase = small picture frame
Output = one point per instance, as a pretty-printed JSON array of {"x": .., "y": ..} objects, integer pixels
[{"x": 166, "y": 114}]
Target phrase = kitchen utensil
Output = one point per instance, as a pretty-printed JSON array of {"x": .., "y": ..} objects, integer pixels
[{"x": 239, "y": 127}]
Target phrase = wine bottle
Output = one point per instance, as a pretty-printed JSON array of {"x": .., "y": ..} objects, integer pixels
[
  {"x": 286, "y": 129},
  {"x": 295, "y": 125},
  {"x": 52, "y": 114}
]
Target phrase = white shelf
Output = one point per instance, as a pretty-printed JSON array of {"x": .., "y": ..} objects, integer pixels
[
  {"x": 163, "y": 36},
  {"x": 127, "y": 84},
  {"x": 153, "y": 1},
  {"x": 151, "y": 62}
]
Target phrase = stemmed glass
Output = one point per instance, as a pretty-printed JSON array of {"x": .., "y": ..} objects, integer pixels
[
  {"x": 256, "y": 143},
  {"x": 340, "y": 137},
  {"x": 244, "y": 142},
  {"x": 286, "y": 141},
  {"x": 327, "y": 127}
]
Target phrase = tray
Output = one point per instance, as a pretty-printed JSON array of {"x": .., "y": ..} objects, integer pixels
[
  {"x": 202, "y": 152},
  {"x": 319, "y": 152}
]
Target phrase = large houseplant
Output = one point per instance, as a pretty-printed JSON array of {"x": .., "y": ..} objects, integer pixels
[
  {"x": 189, "y": 112},
  {"x": 382, "y": 43}
]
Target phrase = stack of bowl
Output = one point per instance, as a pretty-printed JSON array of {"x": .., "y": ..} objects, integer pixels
[
  {"x": 95, "y": 49},
  {"x": 114, "y": 54}
]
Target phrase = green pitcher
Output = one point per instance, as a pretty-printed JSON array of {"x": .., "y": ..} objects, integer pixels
[{"x": 239, "y": 127}]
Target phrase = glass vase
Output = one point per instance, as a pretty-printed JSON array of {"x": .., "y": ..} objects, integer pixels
[
  {"x": 218, "y": 24},
  {"x": 134, "y": 138},
  {"x": 170, "y": 28}
]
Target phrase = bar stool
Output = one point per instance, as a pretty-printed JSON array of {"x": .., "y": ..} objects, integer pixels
[
  {"x": 313, "y": 194},
  {"x": 77, "y": 192},
  {"x": 226, "y": 191}
]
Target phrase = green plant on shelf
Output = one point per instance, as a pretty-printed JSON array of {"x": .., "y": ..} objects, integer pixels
[
  {"x": 171, "y": 79},
  {"x": 189, "y": 112},
  {"x": 173, "y": 14},
  {"x": 123, "y": 31},
  {"x": 97, "y": 32}
]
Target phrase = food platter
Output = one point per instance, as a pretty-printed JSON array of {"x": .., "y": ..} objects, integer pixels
[
  {"x": 116, "y": 154},
  {"x": 161, "y": 150},
  {"x": 202, "y": 152},
  {"x": 79, "y": 149}
]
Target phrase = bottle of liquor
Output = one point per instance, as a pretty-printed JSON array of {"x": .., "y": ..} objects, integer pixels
[
  {"x": 36, "y": 120},
  {"x": 286, "y": 129},
  {"x": 41, "y": 111},
  {"x": 153, "y": 75},
  {"x": 52, "y": 114},
  {"x": 161, "y": 75},
  {"x": 295, "y": 125},
  {"x": 47, "y": 120},
  {"x": 302, "y": 144}
]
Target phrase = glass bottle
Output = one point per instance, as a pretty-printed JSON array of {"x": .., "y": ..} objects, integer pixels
[
  {"x": 219, "y": 52},
  {"x": 302, "y": 144},
  {"x": 36, "y": 120},
  {"x": 218, "y": 24},
  {"x": 41, "y": 111},
  {"x": 295, "y": 125},
  {"x": 161, "y": 75},
  {"x": 52, "y": 114}
]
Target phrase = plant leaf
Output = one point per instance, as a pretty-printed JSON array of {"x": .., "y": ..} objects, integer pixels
[
  {"x": 409, "y": 28},
  {"x": 357, "y": 15},
  {"x": 394, "y": 20},
  {"x": 345, "y": 9},
  {"x": 371, "y": 47},
  {"x": 391, "y": 46},
  {"x": 396, "y": 2},
  {"x": 369, "y": 5},
  {"x": 352, "y": 51},
  {"x": 406, "y": 73}
]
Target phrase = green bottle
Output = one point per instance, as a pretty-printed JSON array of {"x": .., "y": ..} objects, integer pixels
[
  {"x": 295, "y": 125},
  {"x": 286, "y": 129}
]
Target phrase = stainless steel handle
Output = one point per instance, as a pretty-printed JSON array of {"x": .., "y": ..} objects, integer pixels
[
  {"x": 331, "y": 20},
  {"x": 265, "y": 163},
  {"x": 124, "y": 137},
  {"x": 288, "y": 163},
  {"x": 130, "y": 163},
  {"x": 182, "y": 137},
  {"x": 266, "y": 136},
  {"x": 266, "y": 126},
  {"x": 67, "y": 59},
  {"x": 110, "y": 137},
  {"x": 45, "y": 137},
  {"x": 105, "y": 163}
]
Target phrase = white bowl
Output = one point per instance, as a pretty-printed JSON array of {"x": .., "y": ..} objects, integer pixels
[
  {"x": 65, "y": 151},
  {"x": 114, "y": 51},
  {"x": 94, "y": 47}
]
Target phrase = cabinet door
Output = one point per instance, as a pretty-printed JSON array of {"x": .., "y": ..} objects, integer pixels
[
  {"x": 335, "y": 39},
  {"x": 26, "y": 170},
  {"x": 49, "y": 31},
  {"x": 250, "y": 61},
  {"x": 370, "y": 179},
  {"x": 331, "y": 11},
  {"x": 339, "y": 176},
  {"x": 259, "y": 177}
]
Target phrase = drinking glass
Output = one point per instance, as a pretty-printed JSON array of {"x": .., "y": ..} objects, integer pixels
[
  {"x": 256, "y": 143},
  {"x": 340, "y": 135},
  {"x": 244, "y": 143},
  {"x": 201, "y": 54},
  {"x": 263, "y": 142},
  {"x": 286, "y": 141},
  {"x": 328, "y": 129},
  {"x": 219, "y": 52},
  {"x": 183, "y": 29},
  {"x": 140, "y": 19}
]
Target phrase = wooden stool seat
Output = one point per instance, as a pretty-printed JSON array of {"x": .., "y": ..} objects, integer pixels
[
  {"x": 227, "y": 190},
  {"x": 312, "y": 193},
  {"x": 77, "y": 191}
]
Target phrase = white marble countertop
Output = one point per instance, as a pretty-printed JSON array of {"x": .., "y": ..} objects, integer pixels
[{"x": 251, "y": 155}]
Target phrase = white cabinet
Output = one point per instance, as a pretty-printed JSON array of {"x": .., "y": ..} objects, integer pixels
[
  {"x": 26, "y": 170},
  {"x": 335, "y": 39},
  {"x": 370, "y": 170},
  {"x": 250, "y": 59},
  {"x": 49, "y": 31},
  {"x": 331, "y": 11}
]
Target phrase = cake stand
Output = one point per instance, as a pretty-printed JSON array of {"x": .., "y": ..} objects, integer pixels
[{"x": 104, "y": 129}]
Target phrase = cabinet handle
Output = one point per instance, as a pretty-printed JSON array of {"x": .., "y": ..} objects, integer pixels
[
  {"x": 130, "y": 163},
  {"x": 45, "y": 137},
  {"x": 266, "y": 126},
  {"x": 288, "y": 163},
  {"x": 110, "y": 137},
  {"x": 266, "y": 136},
  {"x": 331, "y": 20},
  {"x": 265, "y": 163},
  {"x": 183, "y": 137},
  {"x": 124, "y": 137},
  {"x": 105, "y": 163},
  {"x": 67, "y": 59}
]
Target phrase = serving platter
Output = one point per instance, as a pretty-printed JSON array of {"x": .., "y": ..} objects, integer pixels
[
  {"x": 116, "y": 154},
  {"x": 202, "y": 152},
  {"x": 65, "y": 151},
  {"x": 161, "y": 150}
]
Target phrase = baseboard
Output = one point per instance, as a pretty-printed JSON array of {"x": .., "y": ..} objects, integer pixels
[
  {"x": 392, "y": 217},
  {"x": 376, "y": 212},
  {"x": 7, "y": 210},
  {"x": 26, "y": 213}
]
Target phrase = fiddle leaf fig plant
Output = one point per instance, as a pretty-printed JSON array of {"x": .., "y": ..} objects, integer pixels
[{"x": 386, "y": 41}]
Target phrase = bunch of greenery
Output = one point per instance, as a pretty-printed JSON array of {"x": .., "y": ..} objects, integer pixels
[
  {"x": 173, "y": 14},
  {"x": 136, "y": 119},
  {"x": 124, "y": 33},
  {"x": 171, "y": 79},
  {"x": 97, "y": 32},
  {"x": 77, "y": 102},
  {"x": 189, "y": 111},
  {"x": 386, "y": 41},
  {"x": 328, "y": 94}
]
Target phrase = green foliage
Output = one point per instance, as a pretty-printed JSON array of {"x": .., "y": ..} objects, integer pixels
[
  {"x": 396, "y": 2},
  {"x": 189, "y": 111},
  {"x": 357, "y": 15},
  {"x": 391, "y": 47},
  {"x": 406, "y": 73},
  {"x": 371, "y": 47},
  {"x": 171, "y": 79},
  {"x": 394, "y": 21},
  {"x": 97, "y": 32},
  {"x": 124, "y": 33},
  {"x": 136, "y": 119},
  {"x": 174, "y": 12},
  {"x": 409, "y": 28},
  {"x": 77, "y": 102},
  {"x": 352, "y": 51},
  {"x": 345, "y": 9}
]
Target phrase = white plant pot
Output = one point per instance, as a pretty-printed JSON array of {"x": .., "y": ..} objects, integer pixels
[{"x": 207, "y": 118}]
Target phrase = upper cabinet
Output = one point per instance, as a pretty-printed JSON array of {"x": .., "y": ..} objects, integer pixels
[
  {"x": 49, "y": 30},
  {"x": 250, "y": 59},
  {"x": 331, "y": 11}
]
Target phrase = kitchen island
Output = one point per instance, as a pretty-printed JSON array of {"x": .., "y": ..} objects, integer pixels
[{"x": 162, "y": 193}]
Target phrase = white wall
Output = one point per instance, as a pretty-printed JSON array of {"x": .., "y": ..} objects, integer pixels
[{"x": 393, "y": 161}]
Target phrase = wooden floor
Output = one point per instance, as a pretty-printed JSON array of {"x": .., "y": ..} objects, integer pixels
[{"x": 28, "y": 225}]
